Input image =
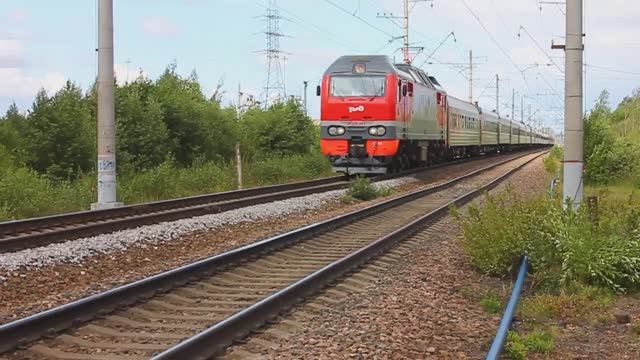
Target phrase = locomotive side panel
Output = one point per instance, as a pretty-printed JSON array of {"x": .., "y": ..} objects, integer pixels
[{"x": 423, "y": 124}]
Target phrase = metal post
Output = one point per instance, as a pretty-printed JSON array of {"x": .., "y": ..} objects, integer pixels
[
  {"x": 106, "y": 112},
  {"x": 306, "y": 85},
  {"x": 513, "y": 103},
  {"x": 405, "y": 49},
  {"x": 522, "y": 108},
  {"x": 497, "y": 95},
  {"x": 238, "y": 156},
  {"x": 471, "y": 76},
  {"x": 573, "y": 127}
]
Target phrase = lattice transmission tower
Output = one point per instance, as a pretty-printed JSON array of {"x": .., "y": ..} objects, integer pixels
[{"x": 274, "y": 89}]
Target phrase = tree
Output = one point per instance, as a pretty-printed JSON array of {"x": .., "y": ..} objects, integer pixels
[
  {"x": 59, "y": 140},
  {"x": 142, "y": 136},
  {"x": 198, "y": 126},
  {"x": 281, "y": 130},
  {"x": 12, "y": 128}
]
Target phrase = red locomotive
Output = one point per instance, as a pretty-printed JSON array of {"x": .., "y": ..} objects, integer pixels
[{"x": 377, "y": 116}]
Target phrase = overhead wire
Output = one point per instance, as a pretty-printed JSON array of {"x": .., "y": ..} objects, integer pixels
[{"x": 358, "y": 17}]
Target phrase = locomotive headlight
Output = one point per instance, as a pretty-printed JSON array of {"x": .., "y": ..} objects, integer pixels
[
  {"x": 377, "y": 130},
  {"x": 336, "y": 130}
]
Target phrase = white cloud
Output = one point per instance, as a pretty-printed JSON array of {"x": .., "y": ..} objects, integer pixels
[
  {"x": 11, "y": 53},
  {"x": 159, "y": 25},
  {"x": 15, "y": 83},
  {"x": 126, "y": 73}
]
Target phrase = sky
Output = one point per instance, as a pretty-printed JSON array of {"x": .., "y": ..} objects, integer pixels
[{"x": 43, "y": 43}]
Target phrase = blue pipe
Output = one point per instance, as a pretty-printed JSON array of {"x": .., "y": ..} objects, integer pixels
[{"x": 507, "y": 318}]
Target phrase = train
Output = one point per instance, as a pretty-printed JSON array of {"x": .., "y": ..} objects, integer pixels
[{"x": 378, "y": 117}]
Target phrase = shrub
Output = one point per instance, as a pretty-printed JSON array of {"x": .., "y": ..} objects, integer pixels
[
  {"x": 552, "y": 160},
  {"x": 565, "y": 246}
]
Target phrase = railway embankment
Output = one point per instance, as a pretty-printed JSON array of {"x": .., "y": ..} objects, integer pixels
[{"x": 41, "y": 278}]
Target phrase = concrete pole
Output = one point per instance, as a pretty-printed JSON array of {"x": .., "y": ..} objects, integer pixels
[
  {"x": 306, "y": 85},
  {"x": 405, "y": 49},
  {"x": 471, "y": 76},
  {"x": 238, "y": 155},
  {"x": 573, "y": 127},
  {"x": 522, "y": 108},
  {"x": 106, "y": 113}
]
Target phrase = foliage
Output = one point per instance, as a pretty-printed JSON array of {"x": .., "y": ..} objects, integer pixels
[
  {"x": 491, "y": 303},
  {"x": 172, "y": 140},
  {"x": 58, "y": 137},
  {"x": 515, "y": 348},
  {"x": 281, "y": 130},
  {"x": 610, "y": 157},
  {"x": 565, "y": 246},
  {"x": 518, "y": 347},
  {"x": 576, "y": 302},
  {"x": 552, "y": 160}
]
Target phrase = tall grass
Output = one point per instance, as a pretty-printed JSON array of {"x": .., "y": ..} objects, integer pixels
[{"x": 24, "y": 193}]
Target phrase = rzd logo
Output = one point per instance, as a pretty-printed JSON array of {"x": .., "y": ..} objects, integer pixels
[{"x": 353, "y": 109}]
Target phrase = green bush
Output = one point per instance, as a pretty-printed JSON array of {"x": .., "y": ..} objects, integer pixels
[
  {"x": 553, "y": 160},
  {"x": 491, "y": 304},
  {"x": 565, "y": 246},
  {"x": 361, "y": 188},
  {"x": 515, "y": 348},
  {"x": 281, "y": 169}
]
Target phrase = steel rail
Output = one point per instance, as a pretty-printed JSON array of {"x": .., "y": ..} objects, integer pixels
[
  {"x": 60, "y": 318},
  {"x": 35, "y": 232},
  {"x": 217, "y": 337}
]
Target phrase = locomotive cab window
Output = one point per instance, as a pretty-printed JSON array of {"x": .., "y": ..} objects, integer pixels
[{"x": 358, "y": 85}]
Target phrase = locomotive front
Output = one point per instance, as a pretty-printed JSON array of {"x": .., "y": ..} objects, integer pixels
[{"x": 358, "y": 114}]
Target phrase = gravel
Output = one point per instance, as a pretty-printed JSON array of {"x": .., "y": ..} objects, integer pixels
[{"x": 76, "y": 251}]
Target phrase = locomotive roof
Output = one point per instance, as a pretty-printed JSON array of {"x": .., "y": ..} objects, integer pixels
[{"x": 373, "y": 63}]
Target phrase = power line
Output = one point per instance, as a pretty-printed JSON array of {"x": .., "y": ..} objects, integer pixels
[
  {"x": 312, "y": 27},
  {"x": 359, "y": 18},
  {"x": 504, "y": 52},
  {"x": 612, "y": 69},
  {"x": 540, "y": 47}
]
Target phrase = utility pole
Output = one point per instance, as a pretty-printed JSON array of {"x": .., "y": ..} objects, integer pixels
[
  {"x": 405, "y": 48},
  {"x": 238, "y": 156},
  {"x": 522, "y": 108},
  {"x": 471, "y": 76},
  {"x": 306, "y": 85},
  {"x": 529, "y": 117},
  {"x": 106, "y": 112},
  {"x": 573, "y": 127},
  {"x": 513, "y": 103},
  {"x": 497, "y": 95}
]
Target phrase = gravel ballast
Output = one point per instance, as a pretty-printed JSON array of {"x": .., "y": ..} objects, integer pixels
[
  {"x": 76, "y": 251},
  {"x": 423, "y": 306}
]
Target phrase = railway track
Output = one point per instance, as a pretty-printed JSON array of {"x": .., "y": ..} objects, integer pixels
[
  {"x": 197, "y": 310},
  {"x": 29, "y": 233}
]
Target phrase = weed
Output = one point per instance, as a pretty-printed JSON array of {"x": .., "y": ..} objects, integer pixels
[
  {"x": 577, "y": 302},
  {"x": 515, "y": 348},
  {"x": 361, "y": 188},
  {"x": 491, "y": 303},
  {"x": 539, "y": 341}
]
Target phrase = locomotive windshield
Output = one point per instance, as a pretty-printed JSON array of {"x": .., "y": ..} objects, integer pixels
[{"x": 358, "y": 85}]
